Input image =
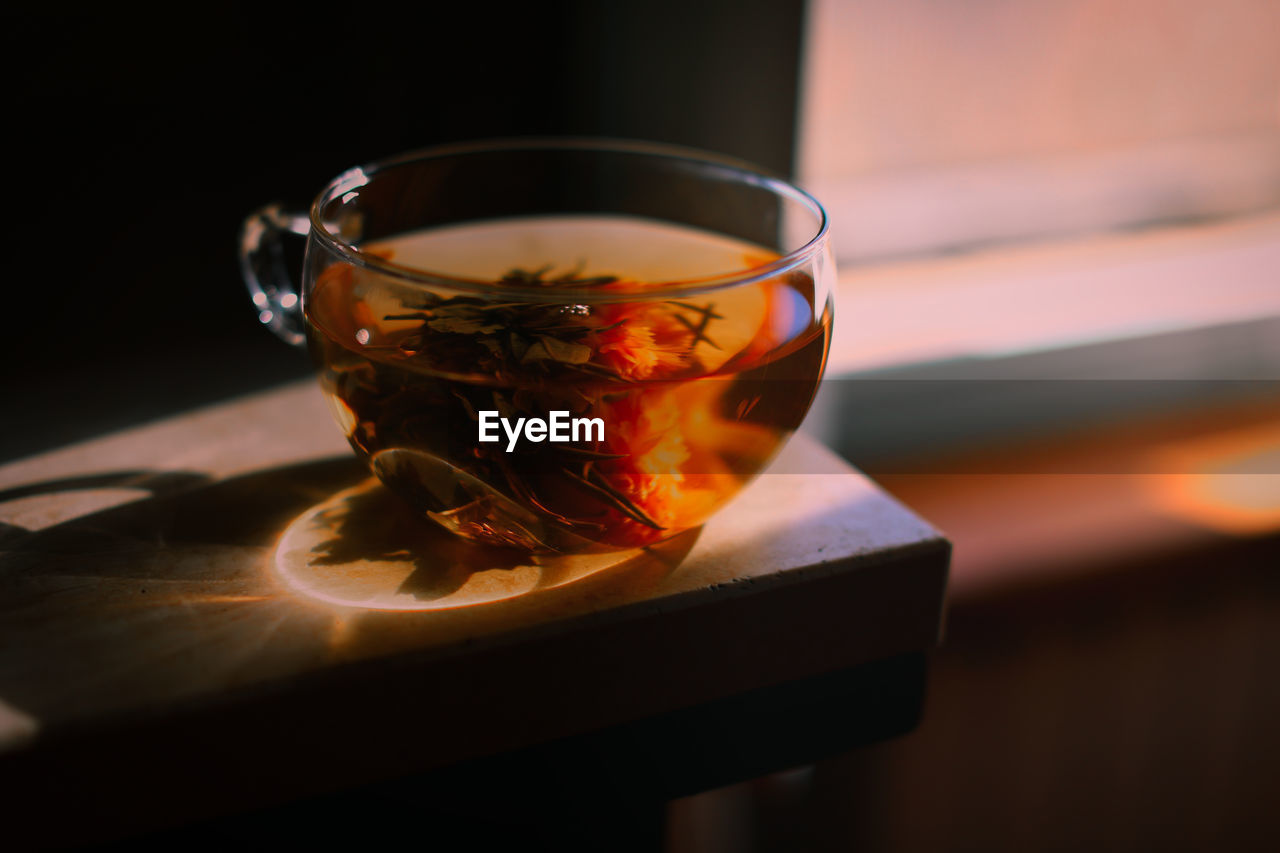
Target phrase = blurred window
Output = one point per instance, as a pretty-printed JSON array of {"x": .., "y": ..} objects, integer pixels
[
  {"x": 935, "y": 124},
  {"x": 1107, "y": 167}
]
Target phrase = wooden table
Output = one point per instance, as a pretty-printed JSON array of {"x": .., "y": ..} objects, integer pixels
[{"x": 212, "y": 614}]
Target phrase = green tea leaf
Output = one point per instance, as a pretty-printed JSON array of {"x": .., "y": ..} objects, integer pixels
[
  {"x": 462, "y": 326},
  {"x": 561, "y": 351}
]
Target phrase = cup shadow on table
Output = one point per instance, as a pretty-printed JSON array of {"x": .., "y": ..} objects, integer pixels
[
  {"x": 182, "y": 586},
  {"x": 346, "y": 518},
  {"x": 181, "y": 508},
  {"x": 365, "y": 547}
]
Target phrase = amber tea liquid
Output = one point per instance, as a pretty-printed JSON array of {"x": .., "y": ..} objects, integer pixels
[{"x": 696, "y": 393}]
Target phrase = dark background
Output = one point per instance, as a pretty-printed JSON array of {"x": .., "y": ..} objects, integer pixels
[{"x": 143, "y": 141}]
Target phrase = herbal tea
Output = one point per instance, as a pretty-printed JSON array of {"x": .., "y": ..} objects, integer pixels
[{"x": 596, "y": 415}]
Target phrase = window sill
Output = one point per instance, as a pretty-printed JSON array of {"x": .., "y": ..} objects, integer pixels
[{"x": 1010, "y": 301}]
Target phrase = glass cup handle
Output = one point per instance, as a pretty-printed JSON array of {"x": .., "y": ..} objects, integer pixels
[{"x": 266, "y": 274}]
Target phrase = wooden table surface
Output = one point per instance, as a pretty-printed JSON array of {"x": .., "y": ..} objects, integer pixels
[{"x": 222, "y": 595}]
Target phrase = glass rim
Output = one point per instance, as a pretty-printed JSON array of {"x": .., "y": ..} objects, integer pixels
[{"x": 353, "y": 179}]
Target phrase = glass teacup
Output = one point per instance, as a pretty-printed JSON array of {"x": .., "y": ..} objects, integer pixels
[{"x": 558, "y": 346}]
